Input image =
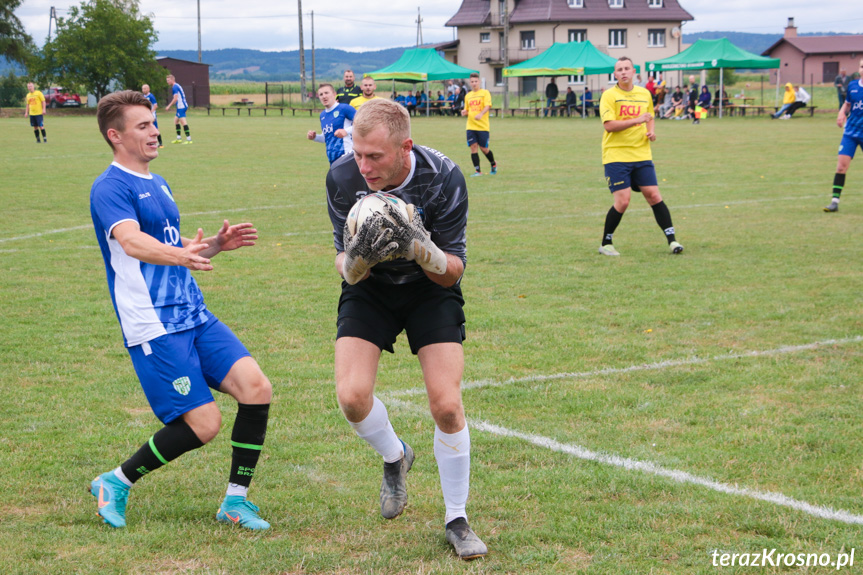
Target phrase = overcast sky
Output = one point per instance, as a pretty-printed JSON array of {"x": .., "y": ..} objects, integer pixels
[{"x": 378, "y": 24}]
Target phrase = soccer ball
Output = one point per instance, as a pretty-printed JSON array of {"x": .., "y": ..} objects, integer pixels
[{"x": 373, "y": 204}]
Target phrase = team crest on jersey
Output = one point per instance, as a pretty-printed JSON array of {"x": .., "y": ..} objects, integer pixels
[
  {"x": 183, "y": 385},
  {"x": 167, "y": 192},
  {"x": 336, "y": 114}
]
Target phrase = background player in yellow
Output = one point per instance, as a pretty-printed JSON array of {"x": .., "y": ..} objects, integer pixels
[
  {"x": 627, "y": 116},
  {"x": 36, "y": 109},
  {"x": 477, "y": 103},
  {"x": 368, "y": 87}
]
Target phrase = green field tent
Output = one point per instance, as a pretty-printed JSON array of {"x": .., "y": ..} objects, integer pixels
[
  {"x": 712, "y": 54},
  {"x": 421, "y": 65},
  {"x": 565, "y": 59}
]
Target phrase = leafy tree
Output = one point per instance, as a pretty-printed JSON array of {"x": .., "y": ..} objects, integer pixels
[
  {"x": 101, "y": 46},
  {"x": 729, "y": 77},
  {"x": 15, "y": 44},
  {"x": 12, "y": 90}
]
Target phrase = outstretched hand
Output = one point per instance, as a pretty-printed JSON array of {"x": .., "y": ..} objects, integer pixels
[
  {"x": 190, "y": 254},
  {"x": 236, "y": 236}
]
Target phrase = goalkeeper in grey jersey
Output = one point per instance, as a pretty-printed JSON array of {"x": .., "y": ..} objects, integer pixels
[{"x": 418, "y": 292}]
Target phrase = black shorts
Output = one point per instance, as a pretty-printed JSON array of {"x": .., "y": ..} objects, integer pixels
[
  {"x": 36, "y": 121},
  {"x": 378, "y": 312},
  {"x": 622, "y": 175}
]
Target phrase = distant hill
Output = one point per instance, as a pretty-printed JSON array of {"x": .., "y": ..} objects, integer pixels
[
  {"x": 756, "y": 43},
  {"x": 240, "y": 64}
]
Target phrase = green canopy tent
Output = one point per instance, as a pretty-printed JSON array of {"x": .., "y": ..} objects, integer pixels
[
  {"x": 712, "y": 54},
  {"x": 565, "y": 59},
  {"x": 421, "y": 65}
]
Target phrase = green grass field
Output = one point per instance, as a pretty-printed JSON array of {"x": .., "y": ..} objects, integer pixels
[{"x": 629, "y": 415}]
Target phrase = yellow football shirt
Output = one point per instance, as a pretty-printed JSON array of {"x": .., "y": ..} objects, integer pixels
[
  {"x": 34, "y": 102},
  {"x": 474, "y": 102},
  {"x": 630, "y": 145},
  {"x": 360, "y": 100}
]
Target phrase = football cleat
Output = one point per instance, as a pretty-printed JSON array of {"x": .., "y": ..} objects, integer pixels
[
  {"x": 187, "y": 142},
  {"x": 394, "y": 491},
  {"x": 608, "y": 250},
  {"x": 465, "y": 542},
  {"x": 177, "y": 141},
  {"x": 111, "y": 495},
  {"x": 675, "y": 247},
  {"x": 493, "y": 170},
  {"x": 476, "y": 174},
  {"x": 833, "y": 207},
  {"x": 236, "y": 510}
]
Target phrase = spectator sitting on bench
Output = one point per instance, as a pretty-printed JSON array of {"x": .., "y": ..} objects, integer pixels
[
  {"x": 571, "y": 102},
  {"x": 411, "y": 102},
  {"x": 588, "y": 103},
  {"x": 725, "y": 101},
  {"x": 802, "y": 98},
  {"x": 677, "y": 105},
  {"x": 704, "y": 98}
]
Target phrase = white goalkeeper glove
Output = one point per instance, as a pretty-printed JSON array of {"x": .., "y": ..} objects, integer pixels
[
  {"x": 371, "y": 245},
  {"x": 414, "y": 240}
]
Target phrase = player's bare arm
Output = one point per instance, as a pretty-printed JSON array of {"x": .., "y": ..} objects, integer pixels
[
  {"x": 620, "y": 125},
  {"x": 843, "y": 114},
  {"x": 172, "y": 102},
  {"x": 148, "y": 249},
  {"x": 229, "y": 238}
]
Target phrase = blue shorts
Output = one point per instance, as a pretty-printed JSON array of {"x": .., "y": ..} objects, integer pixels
[
  {"x": 477, "y": 137},
  {"x": 177, "y": 370},
  {"x": 622, "y": 175},
  {"x": 848, "y": 145},
  {"x": 181, "y": 113},
  {"x": 36, "y": 121}
]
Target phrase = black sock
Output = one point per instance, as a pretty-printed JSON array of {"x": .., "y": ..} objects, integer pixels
[
  {"x": 838, "y": 185},
  {"x": 186, "y": 129},
  {"x": 36, "y": 133},
  {"x": 166, "y": 445},
  {"x": 247, "y": 440},
  {"x": 160, "y": 139},
  {"x": 178, "y": 130},
  {"x": 612, "y": 220},
  {"x": 663, "y": 218},
  {"x": 474, "y": 157},
  {"x": 490, "y": 156},
  {"x": 44, "y": 135}
]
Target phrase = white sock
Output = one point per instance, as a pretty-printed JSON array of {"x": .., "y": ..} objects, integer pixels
[
  {"x": 378, "y": 432},
  {"x": 122, "y": 476},
  {"x": 234, "y": 489},
  {"x": 452, "y": 452}
]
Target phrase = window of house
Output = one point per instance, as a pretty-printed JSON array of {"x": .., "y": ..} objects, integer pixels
[
  {"x": 575, "y": 3},
  {"x": 617, "y": 38},
  {"x": 575, "y": 80},
  {"x": 577, "y": 35},
  {"x": 612, "y": 79},
  {"x": 528, "y": 40},
  {"x": 485, "y": 37},
  {"x": 498, "y": 76},
  {"x": 656, "y": 38},
  {"x": 654, "y": 3},
  {"x": 615, "y": 3}
]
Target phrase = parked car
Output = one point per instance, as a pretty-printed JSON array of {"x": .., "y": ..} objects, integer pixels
[{"x": 60, "y": 98}]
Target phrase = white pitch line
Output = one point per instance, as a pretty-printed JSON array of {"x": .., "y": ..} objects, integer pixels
[
  {"x": 673, "y": 474},
  {"x": 786, "y": 349},
  {"x": 648, "y": 467}
]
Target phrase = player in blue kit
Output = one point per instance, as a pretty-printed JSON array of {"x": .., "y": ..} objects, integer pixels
[
  {"x": 178, "y": 348},
  {"x": 145, "y": 89},
  {"x": 336, "y": 120},
  {"x": 179, "y": 98},
  {"x": 851, "y": 118}
]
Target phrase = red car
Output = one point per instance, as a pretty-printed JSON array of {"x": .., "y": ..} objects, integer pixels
[{"x": 60, "y": 98}]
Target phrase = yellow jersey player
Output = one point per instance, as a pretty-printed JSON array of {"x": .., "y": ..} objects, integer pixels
[
  {"x": 477, "y": 104},
  {"x": 368, "y": 87},
  {"x": 627, "y": 116},
  {"x": 36, "y": 109}
]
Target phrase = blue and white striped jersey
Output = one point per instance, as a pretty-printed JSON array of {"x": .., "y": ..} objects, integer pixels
[
  {"x": 854, "y": 123},
  {"x": 150, "y": 300}
]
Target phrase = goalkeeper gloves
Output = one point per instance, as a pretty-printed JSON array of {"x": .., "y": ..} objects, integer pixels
[
  {"x": 371, "y": 244},
  {"x": 414, "y": 240}
]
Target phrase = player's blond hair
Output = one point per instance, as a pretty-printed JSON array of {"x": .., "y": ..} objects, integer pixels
[
  {"x": 111, "y": 111},
  {"x": 393, "y": 116}
]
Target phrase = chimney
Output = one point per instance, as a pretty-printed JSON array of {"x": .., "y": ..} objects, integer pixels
[{"x": 791, "y": 29}]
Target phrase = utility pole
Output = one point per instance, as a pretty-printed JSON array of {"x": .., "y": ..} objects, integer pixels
[
  {"x": 419, "y": 28},
  {"x": 314, "y": 89},
  {"x": 199, "y": 31},
  {"x": 504, "y": 19},
  {"x": 302, "y": 55},
  {"x": 52, "y": 17}
]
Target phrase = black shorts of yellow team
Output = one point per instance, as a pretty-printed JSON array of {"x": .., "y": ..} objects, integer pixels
[
  {"x": 635, "y": 175},
  {"x": 378, "y": 312}
]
